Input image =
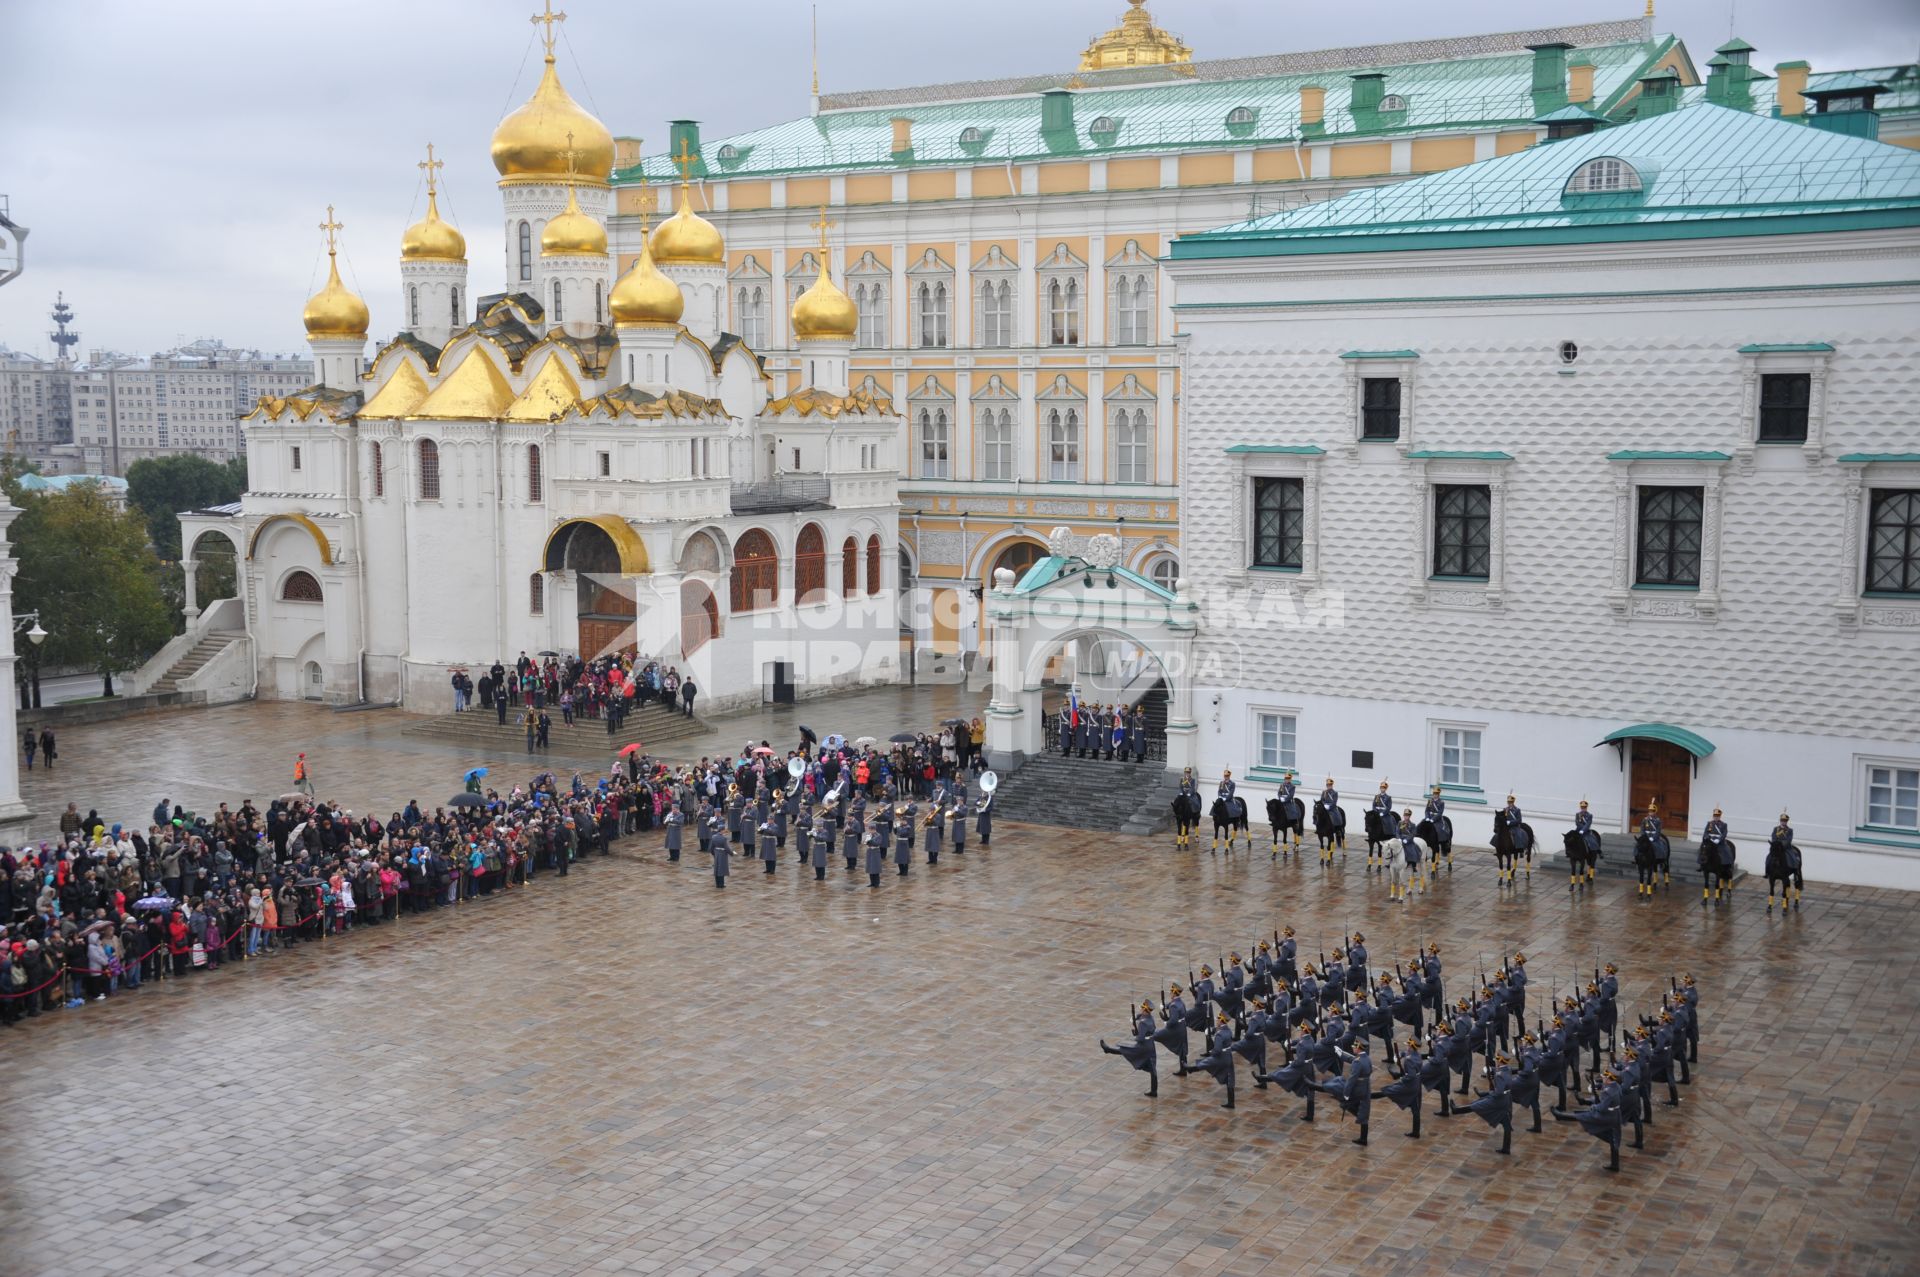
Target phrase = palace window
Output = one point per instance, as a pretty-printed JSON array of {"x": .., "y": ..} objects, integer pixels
[
  {"x": 526, "y": 251},
  {"x": 377, "y": 468},
  {"x": 1132, "y": 306},
  {"x": 996, "y": 313},
  {"x": 934, "y": 456},
  {"x": 873, "y": 565},
  {"x": 1893, "y": 797},
  {"x": 1063, "y": 311},
  {"x": 1063, "y": 445},
  {"x": 1279, "y": 522},
  {"x": 1164, "y": 572},
  {"x": 1462, "y": 531},
  {"x": 1893, "y": 543},
  {"x": 1380, "y": 408},
  {"x": 1784, "y": 400},
  {"x": 1669, "y": 540},
  {"x": 750, "y": 306},
  {"x": 931, "y": 304},
  {"x": 1132, "y": 446},
  {"x": 756, "y": 572},
  {"x": 810, "y": 565},
  {"x": 536, "y": 482},
  {"x": 849, "y": 568},
  {"x": 1606, "y": 174},
  {"x": 996, "y": 445},
  {"x": 1274, "y": 737},
  {"x": 429, "y": 470},
  {"x": 1460, "y": 757},
  {"x": 301, "y": 587},
  {"x": 870, "y": 301},
  {"x": 536, "y": 595}
]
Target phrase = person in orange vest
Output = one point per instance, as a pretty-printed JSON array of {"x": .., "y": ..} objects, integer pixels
[{"x": 301, "y": 780}]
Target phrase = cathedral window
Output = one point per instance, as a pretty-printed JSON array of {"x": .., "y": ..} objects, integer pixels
[
  {"x": 301, "y": 587},
  {"x": 537, "y": 595},
  {"x": 932, "y": 306},
  {"x": 996, "y": 445},
  {"x": 429, "y": 470},
  {"x": 996, "y": 313},
  {"x": 377, "y": 469},
  {"x": 526, "y": 251},
  {"x": 756, "y": 572},
  {"x": 536, "y": 482},
  {"x": 556, "y": 316},
  {"x": 810, "y": 565},
  {"x": 1063, "y": 445},
  {"x": 873, "y": 565},
  {"x": 413, "y": 305},
  {"x": 849, "y": 568},
  {"x": 454, "y": 297},
  {"x": 599, "y": 302}
]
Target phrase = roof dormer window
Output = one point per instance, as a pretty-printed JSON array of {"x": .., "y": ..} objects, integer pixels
[
  {"x": 1606, "y": 175},
  {"x": 971, "y": 136},
  {"x": 1240, "y": 115},
  {"x": 729, "y": 153},
  {"x": 1106, "y": 126},
  {"x": 1393, "y": 102}
]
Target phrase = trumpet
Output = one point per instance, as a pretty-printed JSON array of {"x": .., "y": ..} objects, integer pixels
[{"x": 931, "y": 817}]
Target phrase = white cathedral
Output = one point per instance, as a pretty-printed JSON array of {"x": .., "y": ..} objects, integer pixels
[{"x": 577, "y": 463}]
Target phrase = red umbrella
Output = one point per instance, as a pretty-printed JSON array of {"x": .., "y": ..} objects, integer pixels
[
  {"x": 762, "y": 749},
  {"x": 630, "y": 749}
]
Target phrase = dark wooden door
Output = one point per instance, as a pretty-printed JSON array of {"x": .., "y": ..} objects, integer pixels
[{"x": 1662, "y": 774}]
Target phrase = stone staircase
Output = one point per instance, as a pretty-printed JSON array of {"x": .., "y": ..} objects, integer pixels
[
  {"x": 654, "y": 726},
  {"x": 208, "y": 647},
  {"x": 1077, "y": 793},
  {"x": 1616, "y": 857}
]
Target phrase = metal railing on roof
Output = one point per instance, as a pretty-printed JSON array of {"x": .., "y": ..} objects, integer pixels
[{"x": 781, "y": 493}]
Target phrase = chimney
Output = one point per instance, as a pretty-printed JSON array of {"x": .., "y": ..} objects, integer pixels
[
  {"x": 1717, "y": 80},
  {"x": 1789, "y": 92},
  {"x": 1313, "y": 107},
  {"x": 687, "y": 131},
  {"x": 1056, "y": 111},
  {"x": 1844, "y": 104},
  {"x": 902, "y": 135},
  {"x": 1549, "y": 76},
  {"x": 626, "y": 152},
  {"x": 1580, "y": 81},
  {"x": 1659, "y": 94},
  {"x": 1368, "y": 88}
]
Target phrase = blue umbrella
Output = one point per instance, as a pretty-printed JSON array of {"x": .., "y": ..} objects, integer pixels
[{"x": 476, "y": 772}]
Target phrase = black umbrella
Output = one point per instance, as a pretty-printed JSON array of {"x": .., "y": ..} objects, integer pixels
[
  {"x": 466, "y": 800},
  {"x": 548, "y": 653},
  {"x": 903, "y": 738},
  {"x": 954, "y": 722},
  {"x": 806, "y": 733}
]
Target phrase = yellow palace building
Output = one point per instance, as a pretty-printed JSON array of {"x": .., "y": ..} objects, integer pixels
[{"x": 1000, "y": 239}]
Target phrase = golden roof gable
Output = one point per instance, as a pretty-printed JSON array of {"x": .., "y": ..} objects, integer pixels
[
  {"x": 475, "y": 391},
  {"x": 399, "y": 395},
  {"x": 550, "y": 396}
]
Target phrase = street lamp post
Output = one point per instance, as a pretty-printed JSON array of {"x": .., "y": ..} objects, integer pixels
[{"x": 30, "y": 686}]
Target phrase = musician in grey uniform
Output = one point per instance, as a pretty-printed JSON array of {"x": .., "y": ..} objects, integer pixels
[
  {"x": 983, "y": 823},
  {"x": 935, "y": 831},
  {"x": 674, "y": 820},
  {"x": 957, "y": 830},
  {"x": 876, "y": 857},
  {"x": 769, "y": 848},
  {"x": 803, "y": 834},
  {"x": 819, "y": 848},
  {"x": 722, "y": 853},
  {"x": 903, "y": 838},
  {"x": 783, "y": 807},
  {"x": 856, "y": 831}
]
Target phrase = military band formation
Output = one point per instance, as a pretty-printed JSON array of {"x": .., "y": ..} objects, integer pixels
[
  {"x": 1410, "y": 853},
  {"x": 1304, "y": 1028}
]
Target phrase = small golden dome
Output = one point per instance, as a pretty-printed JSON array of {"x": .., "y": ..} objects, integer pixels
[
  {"x": 644, "y": 298},
  {"x": 335, "y": 311},
  {"x": 1135, "y": 42},
  {"x": 573, "y": 233},
  {"x": 432, "y": 240},
  {"x": 687, "y": 238},
  {"x": 823, "y": 312},
  {"x": 532, "y": 141}
]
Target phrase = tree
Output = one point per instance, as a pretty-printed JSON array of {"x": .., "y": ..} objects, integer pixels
[
  {"x": 161, "y": 488},
  {"x": 89, "y": 571}
]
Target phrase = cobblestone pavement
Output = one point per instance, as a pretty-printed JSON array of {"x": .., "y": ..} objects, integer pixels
[{"x": 631, "y": 1072}]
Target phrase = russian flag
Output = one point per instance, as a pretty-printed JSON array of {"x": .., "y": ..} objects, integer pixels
[{"x": 1073, "y": 706}]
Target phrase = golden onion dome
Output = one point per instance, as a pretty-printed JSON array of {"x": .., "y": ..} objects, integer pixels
[
  {"x": 335, "y": 311},
  {"x": 644, "y": 298},
  {"x": 532, "y": 142},
  {"x": 432, "y": 240},
  {"x": 823, "y": 312},
  {"x": 688, "y": 238},
  {"x": 573, "y": 233}
]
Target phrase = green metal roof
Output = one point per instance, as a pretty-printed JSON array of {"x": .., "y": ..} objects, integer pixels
[
  {"x": 1655, "y": 454},
  {"x": 1899, "y": 87},
  {"x": 1694, "y": 743},
  {"x": 1447, "y": 454},
  {"x": 1461, "y": 93},
  {"x": 1705, "y": 170},
  {"x": 1052, "y": 568},
  {"x": 1381, "y": 354},
  {"x": 1870, "y": 458},
  {"x": 1276, "y": 450}
]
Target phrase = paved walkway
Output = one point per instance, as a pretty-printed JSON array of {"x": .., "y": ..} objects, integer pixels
[{"x": 630, "y": 1072}]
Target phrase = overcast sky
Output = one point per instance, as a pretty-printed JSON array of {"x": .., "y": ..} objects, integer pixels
[{"x": 173, "y": 158}]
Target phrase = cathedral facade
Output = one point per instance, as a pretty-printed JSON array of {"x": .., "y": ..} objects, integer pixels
[{"x": 581, "y": 461}]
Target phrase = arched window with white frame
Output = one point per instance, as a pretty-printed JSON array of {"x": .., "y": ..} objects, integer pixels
[
  {"x": 1132, "y": 309},
  {"x": 996, "y": 445},
  {"x": 526, "y": 251},
  {"x": 1063, "y": 312},
  {"x": 536, "y": 479},
  {"x": 996, "y": 313},
  {"x": 931, "y": 303},
  {"x": 935, "y": 440},
  {"x": 870, "y": 304},
  {"x": 1132, "y": 446},
  {"x": 1063, "y": 445},
  {"x": 1606, "y": 175}
]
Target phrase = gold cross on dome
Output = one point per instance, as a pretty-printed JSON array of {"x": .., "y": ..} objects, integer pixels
[
  {"x": 685, "y": 161},
  {"x": 570, "y": 155},
  {"x": 431, "y": 167},
  {"x": 330, "y": 226},
  {"x": 821, "y": 224},
  {"x": 547, "y": 19}
]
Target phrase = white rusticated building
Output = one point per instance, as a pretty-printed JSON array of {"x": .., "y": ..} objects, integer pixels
[
  {"x": 1591, "y": 471},
  {"x": 561, "y": 465}
]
